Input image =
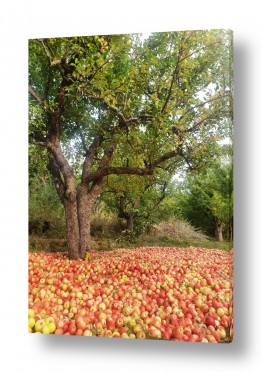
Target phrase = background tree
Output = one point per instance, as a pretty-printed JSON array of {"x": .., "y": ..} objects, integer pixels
[
  {"x": 207, "y": 200},
  {"x": 94, "y": 101},
  {"x": 136, "y": 201}
]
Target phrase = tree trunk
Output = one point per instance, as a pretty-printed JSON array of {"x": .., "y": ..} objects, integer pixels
[
  {"x": 72, "y": 228},
  {"x": 78, "y": 216},
  {"x": 219, "y": 232},
  {"x": 130, "y": 222},
  {"x": 85, "y": 202},
  {"x": 84, "y": 215},
  {"x": 231, "y": 230}
]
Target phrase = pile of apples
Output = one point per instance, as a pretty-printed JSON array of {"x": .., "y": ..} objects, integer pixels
[{"x": 151, "y": 292}]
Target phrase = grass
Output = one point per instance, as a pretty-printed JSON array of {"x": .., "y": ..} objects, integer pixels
[
  {"x": 39, "y": 243},
  {"x": 167, "y": 241},
  {"x": 59, "y": 245}
]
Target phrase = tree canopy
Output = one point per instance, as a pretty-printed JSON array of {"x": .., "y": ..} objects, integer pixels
[{"x": 206, "y": 200}]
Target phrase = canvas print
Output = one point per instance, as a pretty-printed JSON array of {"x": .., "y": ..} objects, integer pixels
[{"x": 131, "y": 186}]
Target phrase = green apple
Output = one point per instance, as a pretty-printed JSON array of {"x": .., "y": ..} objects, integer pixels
[
  {"x": 79, "y": 295},
  {"x": 45, "y": 330},
  {"x": 52, "y": 327},
  {"x": 31, "y": 313},
  {"x": 127, "y": 310},
  {"x": 132, "y": 323},
  {"x": 49, "y": 319},
  {"x": 39, "y": 325},
  {"x": 31, "y": 322}
]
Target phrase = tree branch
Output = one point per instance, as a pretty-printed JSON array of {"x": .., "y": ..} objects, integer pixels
[
  {"x": 38, "y": 143},
  {"x": 107, "y": 155},
  {"x": 149, "y": 170},
  {"x": 37, "y": 139},
  {"x": 95, "y": 188},
  {"x": 202, "y": 104},
  {"x": 92, "y": 75},
  {"x": 197, "y": 124},
  {"x": 55, "y": 117},
  {"x": 62, "y": 164},
  {"x": 198, "y": 50},
  {"x": 50, "y": 56},
  {"x": 175, "y": 73},
  {"x": 167, "y": 156},
  {"x": 119, "y": 170},
  {"x": 118, "y": 113},
  {"x": 89, "y": 158},
  {"x": 47, "y": 51},
  {"x": 55, "y": 173},
  {"x": 36, "y": 96}
]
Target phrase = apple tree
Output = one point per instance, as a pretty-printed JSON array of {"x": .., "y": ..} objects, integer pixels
[
  {"x": 96, "y": 101},
  {"x": 136, "y": 201}
]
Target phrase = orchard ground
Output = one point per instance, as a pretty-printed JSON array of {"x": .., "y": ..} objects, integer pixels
[{"x": 164, "y": 293}]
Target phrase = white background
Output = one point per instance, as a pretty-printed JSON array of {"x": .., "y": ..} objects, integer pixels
[{"x": 21, "y": 20}]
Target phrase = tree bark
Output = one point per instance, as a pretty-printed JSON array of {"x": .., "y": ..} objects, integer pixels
[
  {"x": 219, "y": 232},
  {"x": 128, "y": 216},
  {"x": 130, "y": 222},
  {"x": 231, "y": 230},
  {"x": 72, "y": 228},
  {"x": 84, "y": 214},
  {"x": 85, "y": 201}
]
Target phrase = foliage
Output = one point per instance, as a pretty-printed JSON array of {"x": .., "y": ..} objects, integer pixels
[
  {"x": 145, "y": 200},
  {"x": 176, "y": 85},
  {"x": 106, "y": 226},
  {"x": 46, "y": 214},
  {"x": 207, "y": 199}
]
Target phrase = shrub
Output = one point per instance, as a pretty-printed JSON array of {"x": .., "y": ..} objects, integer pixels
[
  {"x": 105, "y": 226},
  {"x": 179, "y": 229},
  {"x": 46, "y": 213}
]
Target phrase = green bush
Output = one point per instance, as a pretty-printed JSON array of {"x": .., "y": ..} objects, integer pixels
[
  {"x": 46, "y": 212},
  {"x": 107, "y": 226}
]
